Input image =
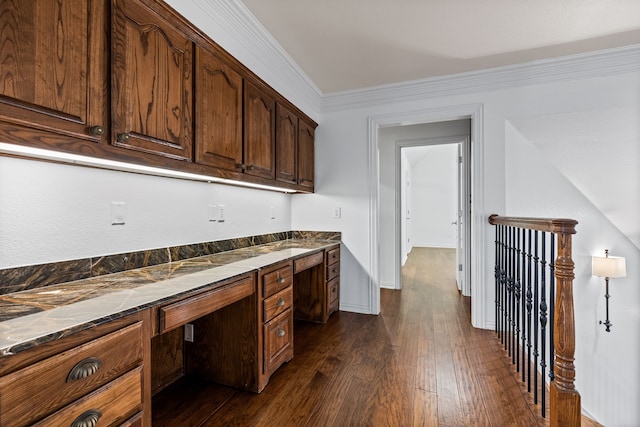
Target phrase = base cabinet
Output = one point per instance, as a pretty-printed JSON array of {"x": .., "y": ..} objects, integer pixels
[
  {"x": 317, "y": 286},
  {"x": 86, "y": 378}
]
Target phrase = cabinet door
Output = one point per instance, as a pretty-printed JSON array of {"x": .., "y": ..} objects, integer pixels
[
  {"x": 53, "y": 67},
  {"x": 286, "y": 144},
  {"x": 259, "y": 132},
  {"x": 305, "y": 155},
  {"x": 218, "y": 113},
  {"x": 151, "y": 83}
]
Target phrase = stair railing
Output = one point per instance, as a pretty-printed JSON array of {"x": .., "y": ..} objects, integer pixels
[{"x": 527, "y": 251}]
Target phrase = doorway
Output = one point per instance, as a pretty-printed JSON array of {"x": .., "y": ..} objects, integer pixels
[
  {"x": 434, "y": 203},
  {"x": 376, "y": 126}
]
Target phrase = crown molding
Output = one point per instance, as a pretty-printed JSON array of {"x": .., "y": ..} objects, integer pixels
[
  {"x": 591, "y": 64},
  {"x": 244, "y": 37}
]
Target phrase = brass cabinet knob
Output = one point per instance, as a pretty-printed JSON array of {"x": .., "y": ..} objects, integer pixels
[
  {"x": 123, "y": 137},
  {"x": 96, "y": 130},
  {"x": 280, "y": 280},
  {"x": 87, "y": 419},
  {"x": 280, "y": 302},
  {"x": 241, "y": 166},
  {"x": 251, "y": 167},
  {"x": 281, "y": 332},
  {"x": 84, "y": 368}
]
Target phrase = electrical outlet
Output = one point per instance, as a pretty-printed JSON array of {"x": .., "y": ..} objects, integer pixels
[
  {"x": 221, "y": 213},
  {"x": 188, "y": 332},
  {"x": 118, "y": 213},
  {"x": 213, "y": 213},
  {"x": 337, "y": 213}
]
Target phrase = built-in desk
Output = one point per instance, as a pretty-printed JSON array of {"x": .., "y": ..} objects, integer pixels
[{"x": 241, "y": 304}]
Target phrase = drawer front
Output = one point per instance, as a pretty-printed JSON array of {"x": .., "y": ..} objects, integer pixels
[
  {"x": 44, "y": 387},
  {"x": 278, "y": 303},
  {"x": 333, "y": 295},
  {"x": 333, "y": 271},
  {"x": 277, "y": 280},
  {"x": 278, "y": 341},
  {"x": 114, "y": 402},
  {"x": 333, "y": 256},
  {"x": 308, "y": 261},
  {"x": 181, "y": 312}
]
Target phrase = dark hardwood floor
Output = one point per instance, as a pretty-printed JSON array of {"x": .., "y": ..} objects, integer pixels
[{"x": 420, "y": 363}]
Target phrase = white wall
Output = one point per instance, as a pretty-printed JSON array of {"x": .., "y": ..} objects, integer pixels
[
  {"x": 606, "y": 363},
  {"x": 434, "y": 195},
  {"x": 53, "y": 212}
]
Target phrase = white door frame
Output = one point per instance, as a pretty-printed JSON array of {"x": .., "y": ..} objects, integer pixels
[
  {"x": 425, "y": 142},
  {"x": 474, "y": 112}
]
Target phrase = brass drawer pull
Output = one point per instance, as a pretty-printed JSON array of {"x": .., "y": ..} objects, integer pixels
[
  {"x": 87, "y": 419},
  {"x": 241, "y": 166},
  {"x": 280, "y": 302},
  {"x": 123, "y": 137},
  {"x": 83, "y": 369},
  {"x": 250, "y": 167},
  {"x": 280, "y": 280},
  {"x": 96, "y": 130},
  {"x": 281, "y": 332}
]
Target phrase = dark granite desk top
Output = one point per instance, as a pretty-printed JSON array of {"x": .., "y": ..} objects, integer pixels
[{"x": 35, "y": 316}]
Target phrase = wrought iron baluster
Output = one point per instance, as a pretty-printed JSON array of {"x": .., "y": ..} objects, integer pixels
[
  {"x": 529, "y": 307},
  {"x": 536, "y": 259},
  {"x": 517, "y": 284},
  {"x": 543, "y": 320}
]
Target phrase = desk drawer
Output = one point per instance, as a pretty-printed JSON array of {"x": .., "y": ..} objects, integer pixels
[
  {"x": 333, "y": 270},
  {"x": 333, "y": 256},
  {"x": 277, "y": 303},
  {"x": 277, "y": 280},
  {"x": 278, "y": 341},
  {"x": 308, "y": 261},
  {"x": 333, "y": 295},
  {"x": 46, "y": 386},
  {"x": 114, "y": 402},
  {"x": 181, "y": 312}
]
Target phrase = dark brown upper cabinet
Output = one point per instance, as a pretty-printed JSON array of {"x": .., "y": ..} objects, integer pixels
[
  {"x": 259, "y": 132},
  {"x": 152, "y": 91},
  {"x": 286, "y": 145},
  {"x": 306, "y": 143},
  {"x": 52, "y": 70},
  {"x": 218, "y": 113}
]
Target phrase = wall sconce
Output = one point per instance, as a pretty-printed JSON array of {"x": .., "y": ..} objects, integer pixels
[{"x": 608, "y": 267}]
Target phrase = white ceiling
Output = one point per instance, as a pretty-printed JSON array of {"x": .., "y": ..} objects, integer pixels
[{"x": 350, "y": 44}]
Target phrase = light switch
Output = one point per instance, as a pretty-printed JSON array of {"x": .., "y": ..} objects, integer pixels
[
  {"x": 118, "y": 213},
  {"x": 221, "y": 213},
  {"x": 213, "y": 213},
  {"x": 337, "y": 213}
]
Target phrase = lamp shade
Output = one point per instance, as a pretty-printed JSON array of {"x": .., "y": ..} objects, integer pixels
[{"x": 612, "y": 266}]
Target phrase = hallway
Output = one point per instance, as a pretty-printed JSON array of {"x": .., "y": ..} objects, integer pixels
[{"x": 418, "y": 364}]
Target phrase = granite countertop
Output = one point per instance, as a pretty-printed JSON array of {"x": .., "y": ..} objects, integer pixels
[{"x": 36, "y": 316}]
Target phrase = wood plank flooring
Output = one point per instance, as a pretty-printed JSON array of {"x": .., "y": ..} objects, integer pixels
[{"x": 420, "y": 363}]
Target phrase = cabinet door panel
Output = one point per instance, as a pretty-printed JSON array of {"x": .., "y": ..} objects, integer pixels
[
  {"x": 259, "y": 132},
  {"x": 152, "y": 83},
  {"x": 218, "y": 113},
  {"x": 52, "y": 65},
  {"x": 286, "y": 145},
  {"x": 306, "y": 136}
]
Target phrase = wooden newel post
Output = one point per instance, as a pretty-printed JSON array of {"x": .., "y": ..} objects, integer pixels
[{"x": 564, "y": 399}]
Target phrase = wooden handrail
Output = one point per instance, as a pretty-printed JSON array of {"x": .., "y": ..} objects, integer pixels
[
  {"x": 552, "y": 225},
  {"x": 564, "y": 399}
]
